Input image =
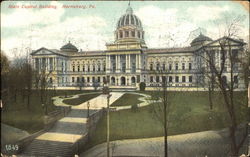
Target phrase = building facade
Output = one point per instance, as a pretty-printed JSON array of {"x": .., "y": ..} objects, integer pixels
[{"x": 128, "y": 61}]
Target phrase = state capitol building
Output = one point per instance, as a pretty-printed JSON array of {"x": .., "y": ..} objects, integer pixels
[{"x": 128, "y": 61}]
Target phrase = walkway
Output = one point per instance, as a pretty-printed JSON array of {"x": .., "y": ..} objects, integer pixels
[
  {"x": 200, "y": 144},
  {"x": 59, "y": 140}
]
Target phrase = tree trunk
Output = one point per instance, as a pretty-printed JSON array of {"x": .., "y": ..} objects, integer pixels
[
  {"x": 210, "y": 97},
  {"x": 165, "y": 142}
]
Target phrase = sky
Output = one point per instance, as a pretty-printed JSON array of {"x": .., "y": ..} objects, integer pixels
[{"x": 32, "y": 25}]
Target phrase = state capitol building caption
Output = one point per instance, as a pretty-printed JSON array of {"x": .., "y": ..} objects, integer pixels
[{"x": 128, "y": 61}]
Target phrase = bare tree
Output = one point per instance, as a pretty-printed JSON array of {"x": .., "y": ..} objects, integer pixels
[
  {"x": 216, "y": 68},
  {"x": 161, "y": 104}
]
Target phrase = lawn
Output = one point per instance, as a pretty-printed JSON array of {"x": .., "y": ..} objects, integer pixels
[
  {"x": 81, "y": 99},
  {"x": 17, "y": 115},
  {"x": 130, "y": 100},
  {"x": 189, "y": 113}
]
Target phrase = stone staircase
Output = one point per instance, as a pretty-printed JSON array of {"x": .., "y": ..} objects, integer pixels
[{"x": 42, "y": 148}]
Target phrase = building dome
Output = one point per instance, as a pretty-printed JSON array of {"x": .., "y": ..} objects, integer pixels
[
  {"x": 129, "y": 19},
  {"x": 69, "y": 48},
  {"x": 129, "y": 28},
  {"x": 201, "y": 39}
]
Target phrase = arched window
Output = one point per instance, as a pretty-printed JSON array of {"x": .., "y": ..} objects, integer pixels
[
  {"x": 170, "y": 79},
  {"x": 126, "y": 33},
  {"x": 158, "y": 66},
  {"x": 133, "y": 80},
  {"x": 139, "y": 34},
  {"x": 151, "y": 66},
  {"x": 133, "y": 33},
  {"x": 121, "y": 34}
]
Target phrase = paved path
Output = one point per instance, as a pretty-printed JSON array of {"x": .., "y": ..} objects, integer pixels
[
  {"x": 200, "y": 144},
  {"x": 65, "y": 132}
]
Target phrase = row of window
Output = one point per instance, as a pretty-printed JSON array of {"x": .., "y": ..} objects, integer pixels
[
  {"x": 163, "y": 67},
  {"x": 171, "y": 79},
  {"x": 77, "y": 79},
  {"x": 88, "y": 68},
  {"x": 130, "y": 34}
]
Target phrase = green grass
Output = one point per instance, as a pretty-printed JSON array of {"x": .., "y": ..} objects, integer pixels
[
  {"x": 81, "y": 99},
  {"x": 127, "y": 100},
  {"x": 17, "y": 114},
  {"x": 189, "y": 112}
]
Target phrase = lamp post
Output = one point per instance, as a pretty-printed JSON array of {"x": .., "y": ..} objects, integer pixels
[
  {"x": 107, "y": 92},
  {"x": 88, "y": 105}
]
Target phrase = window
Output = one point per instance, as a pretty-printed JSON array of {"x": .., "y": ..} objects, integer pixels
[
  {"x": 93, "y": 79},
  {"x": 151, "y": 66},
  {"x": 133, "y": 33},
  {"x": 183, "y": 78},
  {"x": 163, "y": 66},
  {"x": 190, "y": 66},
  {"x": 126, "y": 33},
  {"x": 98, "y": 79},
  {"x": 142, "y": 35},
  {"x": 104, "y": 67},
  {"x": 170, "y": 79},
  {"x": 170, "y": 66},
  {"x": 78, "y": 68},
  {"x": 163, "y": 78},
  {"x": 190, "y": 78},
  {"x": 176, "y": 78},
  {"x": 183, "y": 66},
  {"x": 73, "y": 79},
  {"x": 158, "y": 66},
  {"x": 157, "y": 79},
  {"x": 73, "y": 68},
  {"x": 88, "y": 68},
  {"x": 176, "y": 66},
  {"x": 37, "y": 63},
  {"x": 138, "y": 34},
  {"x": 83, "y": 68},
  {"x": 78, "y": 79},
  {"x": 88, "y": 79},
  {"x": 99, "y": 67},
  {"x": 93, "y": 67},
  {"x": 121, "y": 34},
  {"x": 151, "y": 78},
  {"x": 83, "y": 79}
]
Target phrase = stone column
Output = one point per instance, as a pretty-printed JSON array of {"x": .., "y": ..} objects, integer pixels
[
  {"x": 119, "y": 63},
  {"x": 116, "y": 62},
  {"x": 126, "y": 62},
  {"x": 139, "y": 60},
  {"x": 129, "y": 63}
]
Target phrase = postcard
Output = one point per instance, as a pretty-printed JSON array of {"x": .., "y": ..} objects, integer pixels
[{"x": 125, "y": 78}]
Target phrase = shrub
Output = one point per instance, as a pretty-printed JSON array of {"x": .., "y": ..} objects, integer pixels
[{"x": 142, "y": 86}]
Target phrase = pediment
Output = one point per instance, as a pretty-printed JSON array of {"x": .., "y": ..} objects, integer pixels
[{"x": 43, "y": 51}]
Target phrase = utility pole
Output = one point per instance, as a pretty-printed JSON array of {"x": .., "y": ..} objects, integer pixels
[{"x": 107, "y": 91}]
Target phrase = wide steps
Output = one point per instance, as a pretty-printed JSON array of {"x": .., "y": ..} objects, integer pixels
[{"x": 48, "y": 149}]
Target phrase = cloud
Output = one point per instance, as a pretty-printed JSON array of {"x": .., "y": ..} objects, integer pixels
[
  {"x": 86, "y": 32},
  {"x": 205, "y": 13},
  {"x": 164, "y": 27}
]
